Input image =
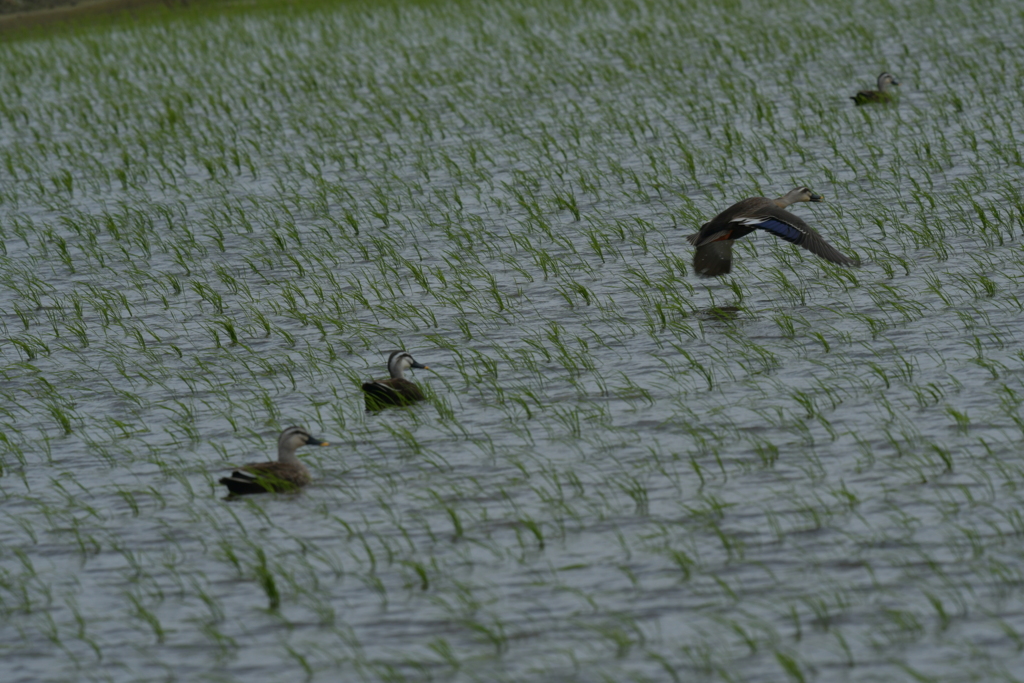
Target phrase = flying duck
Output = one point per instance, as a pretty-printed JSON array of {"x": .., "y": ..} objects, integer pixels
[
  {"x": 882, "y": 95},
  {"x": 714, "y": 241},
  {"x": 396, "y": 391},
  {"x": 286, "y": 474}
]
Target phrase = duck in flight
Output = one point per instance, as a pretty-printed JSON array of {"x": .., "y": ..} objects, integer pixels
[{"x": 713, "y": 256}]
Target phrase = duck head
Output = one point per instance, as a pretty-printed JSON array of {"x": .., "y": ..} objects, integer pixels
[
  {"x": 799, "y": 194},
  {"x": 292, "y": 439},
  {"x": 885, "y": 79},
  {"x": 400, "y": 361}
]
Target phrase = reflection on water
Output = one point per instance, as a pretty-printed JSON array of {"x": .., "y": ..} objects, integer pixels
[
  {"x": 722, "y": 313},
  {"x": 800, "y": 472}
]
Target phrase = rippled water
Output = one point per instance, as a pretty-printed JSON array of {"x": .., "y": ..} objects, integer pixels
[{"x": 215, "y": 225}]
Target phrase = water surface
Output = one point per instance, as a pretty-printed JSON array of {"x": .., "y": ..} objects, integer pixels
[{"x": 217, "y": 225}]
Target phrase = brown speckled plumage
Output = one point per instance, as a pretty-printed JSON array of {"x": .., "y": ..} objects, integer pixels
[
  {"x": 880, "y": 96},
  {"x": 397, "y": 390},
  {"x": 286, "y": 474}
]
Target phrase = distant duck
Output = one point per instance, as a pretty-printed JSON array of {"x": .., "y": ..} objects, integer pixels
[
  {"x": 713, "y": 256},
  {"x": 287, "y": 474},
  {"x": 880, "y": 96},
  {"x": 396, "y": 391}
]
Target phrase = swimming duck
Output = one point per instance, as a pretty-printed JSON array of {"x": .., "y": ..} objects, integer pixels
[
  {"x": 286, "y": 474},
  {"x": 882, "y": 95},
  {"x": 396, "y": 391},
  {"x": 714, "y": 241}
]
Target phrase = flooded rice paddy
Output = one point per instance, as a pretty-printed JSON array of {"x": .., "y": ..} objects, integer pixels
[{"x": 216, "y": 224}]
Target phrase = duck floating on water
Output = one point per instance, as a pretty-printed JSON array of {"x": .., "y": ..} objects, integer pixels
[
  {"x": 880, "y": 96},
  {"x": 286, "y": 474},
  {"x": 713, "y": 256},
  {"x": 396, "y": 391}
]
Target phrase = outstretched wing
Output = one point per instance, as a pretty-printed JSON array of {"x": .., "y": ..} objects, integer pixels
[
  {"x": 696, "y": 238},
  {"x": 790, "y": 228}
]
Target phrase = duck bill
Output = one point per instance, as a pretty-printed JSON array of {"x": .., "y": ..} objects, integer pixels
[{"x": 815, "y": 197}]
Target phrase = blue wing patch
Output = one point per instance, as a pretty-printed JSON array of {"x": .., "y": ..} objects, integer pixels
[{"x": 777, "y": 228}]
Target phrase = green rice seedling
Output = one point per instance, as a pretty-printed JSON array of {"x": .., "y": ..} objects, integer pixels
[
  {"x": 961, "y": 419},
  {"x": 637, "y": 491},
  {"x": 790, "y": 667},
  {"x": 534, "y": 529},
  {"x": 493, "y": 634}
]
